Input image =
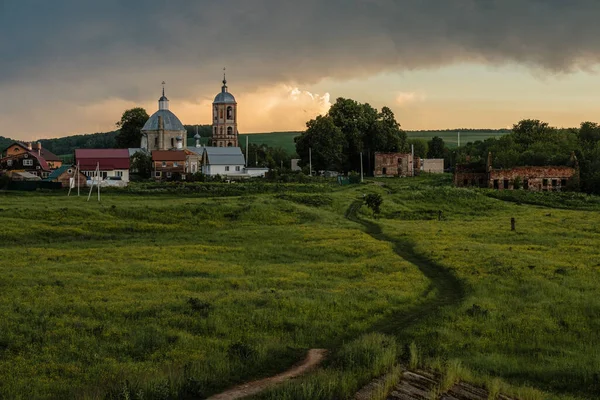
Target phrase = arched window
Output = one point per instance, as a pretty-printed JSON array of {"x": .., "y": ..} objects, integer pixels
[
  {"x": 229, "y": 112},
  {"x": 220, "y": 144},
  {"x": 215, "y": 130},
  {"x": 221, "y": 113},
  {"x": 221, "y": 130},
  {"x": 156, "y": 141},
  {"x": 230, "y": 130},
  {"x": 215, "y": 113},
  {"x": 230, "y": 144}
]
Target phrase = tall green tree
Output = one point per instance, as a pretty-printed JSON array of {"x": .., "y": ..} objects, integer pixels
[
  {"x": 130, "y": 125},
  {"x": 326, "y": 142},
  {"x": 436, "y": 148}
]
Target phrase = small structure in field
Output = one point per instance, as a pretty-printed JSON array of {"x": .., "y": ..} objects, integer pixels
[{"x": 432, "y": 165}]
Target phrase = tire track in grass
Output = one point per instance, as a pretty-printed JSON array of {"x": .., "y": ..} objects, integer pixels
[{"x": 450, "y": 291}]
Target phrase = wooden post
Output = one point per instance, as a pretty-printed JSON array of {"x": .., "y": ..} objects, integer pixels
[{"x": 513, "y": 224}]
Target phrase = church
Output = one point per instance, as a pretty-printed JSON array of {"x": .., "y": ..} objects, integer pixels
[{"x": 165, "y": 137}]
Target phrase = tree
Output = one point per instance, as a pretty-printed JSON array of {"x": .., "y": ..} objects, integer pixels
[
  {"x": 374, "y": 202},
  {"x": 141, "y": 164},
  {"x": 437, "y": 148},
  {"x": 130, "y": 127},
  {"x": 326, "y": 141},
  {"x": 528, "y": 131},
  {"x": 419, "y": 145}
]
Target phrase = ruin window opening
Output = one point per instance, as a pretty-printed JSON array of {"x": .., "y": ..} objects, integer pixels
[
  {"x": 554, "y": 182},
  {"x": 496, "y": 184},
  {"x": 229, "y": 130},
  {"x": 384, "y": 171},
  {"x": 506, "y": 184},
  {"x": 563, "y": 182},
  {"x": 526, "y": 184},
  {"x": 466, "y": 182},
  {"x": 545, "y": 182}
]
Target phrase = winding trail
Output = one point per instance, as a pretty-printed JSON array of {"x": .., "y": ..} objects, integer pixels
[
  {"x": 313, "y": 359},
  {"x": 449, "y": 290}
]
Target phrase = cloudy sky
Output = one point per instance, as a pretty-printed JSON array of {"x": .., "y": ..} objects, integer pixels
[{"x": 73, "y": 66}]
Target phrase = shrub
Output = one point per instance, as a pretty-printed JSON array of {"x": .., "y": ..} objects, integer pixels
[{"x": 374, "y": 202}]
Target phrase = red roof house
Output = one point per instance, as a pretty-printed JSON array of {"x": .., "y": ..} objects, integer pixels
[{"x": 114, "y": 163}]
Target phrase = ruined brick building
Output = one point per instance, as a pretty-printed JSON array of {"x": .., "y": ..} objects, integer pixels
[
  {"x": 546, "y": 178},
  {"x": 394, "y": 164}
]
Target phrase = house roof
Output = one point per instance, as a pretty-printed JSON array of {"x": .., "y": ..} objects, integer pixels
[
  {"x": 168, "y": 155},
  {"x": 46, "y": 154},
  {"x": 57, "y": 173},
  {"x": 41, "y": 160},
  {"x": 197, "y": 150},
  {"x": 108, "y": 159},
  {"x": 224, "y": 156}
]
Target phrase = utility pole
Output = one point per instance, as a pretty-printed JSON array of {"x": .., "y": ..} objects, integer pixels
[
  {"x": 246, "y": 151},
  {"x": 310, "y": 160},
  {"x": 458, "y": 139},
  {"x": 361, "y": 168},
  {"x": 412, "y": 165}
]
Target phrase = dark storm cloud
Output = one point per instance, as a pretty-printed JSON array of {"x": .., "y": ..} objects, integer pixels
[{"x": 109, "y": 48}]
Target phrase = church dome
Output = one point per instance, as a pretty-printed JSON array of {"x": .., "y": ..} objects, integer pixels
[
  {"x": 224, "y": 96},
  {"x": 170, "y": 122}
]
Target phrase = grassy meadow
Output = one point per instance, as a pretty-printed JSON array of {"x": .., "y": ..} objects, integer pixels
[{"x": 177, "y": 292}]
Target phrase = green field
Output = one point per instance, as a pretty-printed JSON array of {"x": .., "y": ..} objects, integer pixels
[
  {"x": 451, "y": 138},
  {"x": 184, "y": 290},
  {"x": 285, "y": 140}
]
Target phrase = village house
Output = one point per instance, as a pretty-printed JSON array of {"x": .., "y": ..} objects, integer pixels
[
  {"x": 113, "y": 163},
  {"x": 30, "y": 158},
  {"x": 539, "y": 179},
  {"x": 224, "y": 161},
  {"x": 64, "y": 174},
  {"x": 168, "y": 164}
]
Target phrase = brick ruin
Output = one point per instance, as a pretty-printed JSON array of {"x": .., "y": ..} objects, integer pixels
[
  {"x": 395, "y": 164},
  {"x": 547, "y": 178}
]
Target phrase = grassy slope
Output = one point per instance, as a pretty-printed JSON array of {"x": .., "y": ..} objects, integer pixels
[
  {"x": 183, "y": 295},
  {"x": 273, "y": 276},
  {"x": 284, "y": 140}
]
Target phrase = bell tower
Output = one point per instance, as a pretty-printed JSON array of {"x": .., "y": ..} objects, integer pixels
[{"x": 225, "y": 132}]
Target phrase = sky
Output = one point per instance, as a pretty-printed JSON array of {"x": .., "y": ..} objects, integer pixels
[{"x": 73, "y": 66}]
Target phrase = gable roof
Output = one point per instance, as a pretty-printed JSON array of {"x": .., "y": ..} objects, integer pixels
[
  {"x": 57, "y": 173},
  {"x": 108, "y": 159},
  {"x": 224, "y": 156},
  {"x": 45, "y": 154},
  {"x": 168, "y": 155}
]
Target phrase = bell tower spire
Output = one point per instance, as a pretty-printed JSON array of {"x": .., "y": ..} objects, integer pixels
[{"x": 163, "y": 102}]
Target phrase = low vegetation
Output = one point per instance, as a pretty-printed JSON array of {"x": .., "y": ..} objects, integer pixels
[{"x": 181, "y": 292}]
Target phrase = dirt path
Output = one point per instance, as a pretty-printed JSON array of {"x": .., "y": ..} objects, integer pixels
[
  {"x": 313, "y": 359},
  {"x": 449, "y": 290}
]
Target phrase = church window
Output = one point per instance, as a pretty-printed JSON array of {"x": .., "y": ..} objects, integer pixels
[
  {"x": 221, "y": 113},
  {"x": 221, "y": 130},
  {"x": 227, "y": 169},
  {"x": 229, "y": 144},
  {"x": 156, "y": 141},
  {"x": 172, "y": 142},
  {"x": 230, "y": 130},
  {"x": 229, "y": 112}
]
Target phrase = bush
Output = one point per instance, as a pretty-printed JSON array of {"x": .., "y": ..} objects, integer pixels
[{"x": 374, "y": 202}]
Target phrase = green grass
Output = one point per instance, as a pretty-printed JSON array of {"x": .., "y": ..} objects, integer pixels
[
  {"x": 179, "y": 292},
  {"x": 181, "y": 295},
  {"x": 451, "y": 138},
  {"x": 285, "y": 140}
]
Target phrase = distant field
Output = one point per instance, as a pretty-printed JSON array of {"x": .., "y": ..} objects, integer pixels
[
  {"x": 451, "y": 138},
  {"x": 286, "y": 139}
]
